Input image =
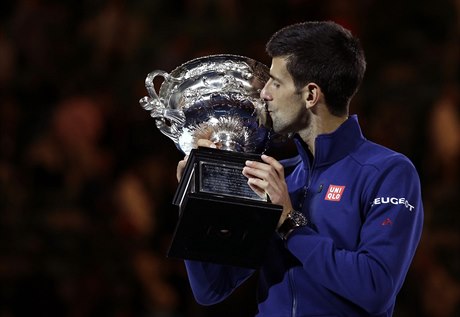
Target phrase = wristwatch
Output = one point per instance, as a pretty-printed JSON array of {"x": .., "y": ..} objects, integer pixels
[{"x": 293, "y": 220}]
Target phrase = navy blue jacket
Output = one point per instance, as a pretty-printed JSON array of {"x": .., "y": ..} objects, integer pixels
[{"x": 364, "y": 205}]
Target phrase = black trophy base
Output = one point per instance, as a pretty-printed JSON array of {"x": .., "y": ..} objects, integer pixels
[
  {"x": 221, "y": 220},
  {"x": 214, "y": 229}
]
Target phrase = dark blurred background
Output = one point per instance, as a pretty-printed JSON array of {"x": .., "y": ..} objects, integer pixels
[{"x": 86, "y": 179}]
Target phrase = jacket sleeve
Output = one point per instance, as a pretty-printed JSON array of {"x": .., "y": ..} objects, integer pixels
[
  {"x": 212, "y": 283},
  {"x": 371, "y": 275}
]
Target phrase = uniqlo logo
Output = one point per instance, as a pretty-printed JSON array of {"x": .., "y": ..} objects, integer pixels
[{"x": 334, "y": 193}]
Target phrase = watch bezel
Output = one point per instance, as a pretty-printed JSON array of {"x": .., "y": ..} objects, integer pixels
[{"x": 293, "y": 220}]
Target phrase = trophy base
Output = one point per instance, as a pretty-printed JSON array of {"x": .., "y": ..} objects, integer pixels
[
  {"x": 221, "y": 220},
  {"x": 216, "y": 230}
]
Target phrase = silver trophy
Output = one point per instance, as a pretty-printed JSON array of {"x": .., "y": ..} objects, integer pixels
[{"x": 216, "y": 98}]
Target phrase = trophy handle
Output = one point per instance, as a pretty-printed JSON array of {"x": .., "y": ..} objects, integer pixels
[{"x": 168, "y": 121}]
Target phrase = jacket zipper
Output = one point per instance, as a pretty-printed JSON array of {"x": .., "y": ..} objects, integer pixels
[
  {"x": 291, "y": 271},
  {"x": 294, "y": 297}
]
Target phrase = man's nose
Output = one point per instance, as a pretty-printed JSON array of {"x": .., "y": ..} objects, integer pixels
[{"x": 264, "y": 94}]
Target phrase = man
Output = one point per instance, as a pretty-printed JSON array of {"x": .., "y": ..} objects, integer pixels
[{"x": 352, "y": 211}]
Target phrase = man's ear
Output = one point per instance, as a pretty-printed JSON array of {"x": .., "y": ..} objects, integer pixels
[{"x": 311, "y": 94}]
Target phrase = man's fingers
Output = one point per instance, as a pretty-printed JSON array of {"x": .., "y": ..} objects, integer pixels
[
  {"x": 181, "y": 167},
  {"x": 205, "y": 143},
  {"x": 266, "y": 178},
  {"x": 260, "y": 170},
  {"x": 182, "y": 163},
  {"x": 252, "y": 182},
  {"x": 274, "y": 163}
]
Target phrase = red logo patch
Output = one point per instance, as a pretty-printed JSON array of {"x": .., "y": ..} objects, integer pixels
[
  {"x": 387, "y": 222},
  {"x": 334, "y": 192}
]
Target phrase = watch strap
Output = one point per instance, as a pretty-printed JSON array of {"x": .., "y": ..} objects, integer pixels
[{"x": 294, "y": 219}]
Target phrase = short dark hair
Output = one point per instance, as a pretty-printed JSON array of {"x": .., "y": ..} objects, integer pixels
[{"x": 324, "y": 53}]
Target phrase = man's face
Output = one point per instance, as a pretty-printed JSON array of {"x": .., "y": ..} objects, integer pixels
[{"x": 284, "y": 102}]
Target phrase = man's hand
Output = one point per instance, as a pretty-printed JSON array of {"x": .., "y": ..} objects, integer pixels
[
  {"x": 180, "y": 168},
  {"x": 183, "y": 162},
  {"x": 267, "y": 178}
]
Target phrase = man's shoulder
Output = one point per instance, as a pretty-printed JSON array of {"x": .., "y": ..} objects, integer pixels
[{"x": 379, "y": 156}]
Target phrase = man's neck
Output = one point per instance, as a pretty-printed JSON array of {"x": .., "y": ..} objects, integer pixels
[{"x": 323, "y": 124}]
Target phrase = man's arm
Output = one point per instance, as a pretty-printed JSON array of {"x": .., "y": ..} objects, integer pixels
[
  {"x": 372, "y": 275},
  {"x": 212, "y": 283}
]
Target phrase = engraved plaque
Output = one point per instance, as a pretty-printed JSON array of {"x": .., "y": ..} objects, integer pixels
[{"x": 225, "y": 179}]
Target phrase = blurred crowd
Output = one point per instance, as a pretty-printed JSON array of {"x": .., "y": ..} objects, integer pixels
[{"x": 86, "y": 179}]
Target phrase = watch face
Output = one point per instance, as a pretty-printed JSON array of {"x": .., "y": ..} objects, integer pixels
[
  {"x": 293, "y": 220},
  {"x": 298, "y": 218}
]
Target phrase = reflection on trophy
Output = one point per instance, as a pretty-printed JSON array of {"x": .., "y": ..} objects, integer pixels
[{"x": 216, "y": 97}]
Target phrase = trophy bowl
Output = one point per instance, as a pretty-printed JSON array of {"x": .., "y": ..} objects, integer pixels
[{"x": 214, "y": 97}]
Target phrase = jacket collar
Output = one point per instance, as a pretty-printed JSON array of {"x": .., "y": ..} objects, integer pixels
[{"x": 332, "y": 147}]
